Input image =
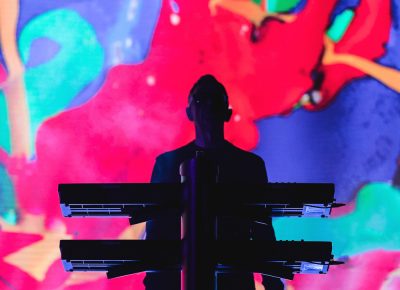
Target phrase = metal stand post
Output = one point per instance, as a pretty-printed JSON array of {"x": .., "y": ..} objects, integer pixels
[{"x": 199, "y": 224}]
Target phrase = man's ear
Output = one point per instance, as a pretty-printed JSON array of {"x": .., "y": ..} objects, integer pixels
[
  {"x": 228, "y": 115},
  {"x": 189, "y": 114}
]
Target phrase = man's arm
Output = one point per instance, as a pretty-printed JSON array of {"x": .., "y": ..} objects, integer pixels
[
  {"x": 156, "y": 173},
  {"x": 260, "y": 171},
  {"x": 166, "y": 227},
  {"x": 261, "y": 231}
]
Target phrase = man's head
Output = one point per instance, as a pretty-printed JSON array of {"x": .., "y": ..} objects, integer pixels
[{"x": 208, "y": 103}]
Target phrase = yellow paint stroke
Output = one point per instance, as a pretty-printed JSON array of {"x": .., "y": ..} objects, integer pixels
[{"x": 14, "y": 88}]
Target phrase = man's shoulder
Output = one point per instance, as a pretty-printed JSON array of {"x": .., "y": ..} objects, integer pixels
[
  {"x": 243, "y": 166},
  {"x": 243, "y": 154},
  {"x": 177, "y": 153}
]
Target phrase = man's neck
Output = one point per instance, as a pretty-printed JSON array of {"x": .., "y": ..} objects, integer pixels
[{"x": 209, "y": 139}]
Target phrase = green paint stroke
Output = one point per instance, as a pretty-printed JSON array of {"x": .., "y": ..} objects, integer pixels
[
  {"x": 340, "y": 25},
  {"x": 52, "y": 85},
  {"x": 279, "y": 6},
  {"x": 374, "y": 224}
]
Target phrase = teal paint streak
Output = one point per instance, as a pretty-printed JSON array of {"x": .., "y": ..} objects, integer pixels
[
  {"x": 374, "y": 224},
  {"x": 340, "y": 25},
  {"x": 5, "y": 141},
  {"x": 8, "y": 206},
  {"x": 52, "y": 85}
]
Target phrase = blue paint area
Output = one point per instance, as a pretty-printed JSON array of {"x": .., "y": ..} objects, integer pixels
[
  {"x": 174, "y": 6},
  {"x": 299, "y": 7},
  {"x": 42, "y": 50},
  {"x": 343, "y": 5},
  {"x": 124, "y": 29},
  {"x": 353, "y": 141},
  {"x": 117, "y": 21}
]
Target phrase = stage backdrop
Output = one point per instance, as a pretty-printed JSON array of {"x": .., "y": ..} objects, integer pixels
[{"x": 93, "y": 91}]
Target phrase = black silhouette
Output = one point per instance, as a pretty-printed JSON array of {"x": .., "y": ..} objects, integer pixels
[{"x": 208, "y": 109}]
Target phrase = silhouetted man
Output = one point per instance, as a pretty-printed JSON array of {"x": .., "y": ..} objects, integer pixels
[{"x": 208, "y": 108}]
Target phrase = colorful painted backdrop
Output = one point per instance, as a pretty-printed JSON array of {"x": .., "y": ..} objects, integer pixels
[{"x": 93, "y": 91}]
